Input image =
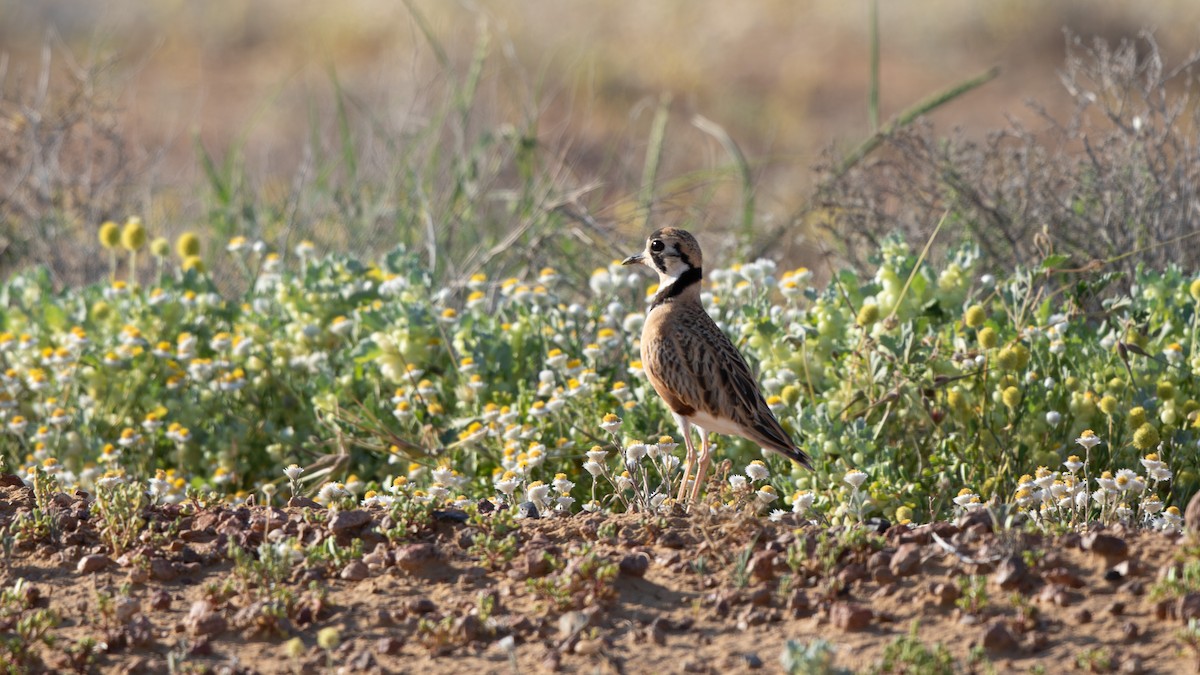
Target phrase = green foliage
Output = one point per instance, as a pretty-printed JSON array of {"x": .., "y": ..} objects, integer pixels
[
  {"x": 974, "y": 595},
  {"x": 812, "y": 658},
  {"x": 1178, "y": 581},
  {"x": 908, "y": 654},
  {"x": 583, "y": 578},
  {"x": 119, "y": 506},
  {"x": 355, "y": 368},
  {"x": 26, "y": 628}
]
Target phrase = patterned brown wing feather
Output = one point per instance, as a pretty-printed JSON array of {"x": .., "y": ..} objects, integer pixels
[{"x": 695, "y": 367}]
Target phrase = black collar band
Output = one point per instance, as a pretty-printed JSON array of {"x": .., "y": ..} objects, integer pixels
[{"x": 692, "y": 276}]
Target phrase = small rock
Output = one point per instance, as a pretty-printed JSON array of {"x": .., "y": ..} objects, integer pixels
[
  {"x": 721, "y": 607},
  {"x": 851, "y": 573},
  {"x": 906, "y": 560},
  {"x": 752, "y": 661},
  {"x": 162, "y": 569},
  {"x": 1037, "y": 641},
  {"x": 300, "y": 502},
  {"x": 1132, "y": 665},
  {"x": 1055, "y": 594},
  {"x": 1191, "y": 515},
  {"x": 138, "y": 574},
  {"x": 377, "y": 558},
  {"x": 589, "y": 646},
  {"x": 571, "y": 623},
  {"x": 90, "y": 564},
  {"x": 420, "y": 606},
  {"x": 206, "y": 520},
  {"x": 140, "y": 632},
  {"x": 203, "y": 621},
  {"x": 798, "y": 603},
  {"x": 415, "y": 557},
  {"x": 635, "y": 565},
  {"x": 201, "y": 646},
  {"x": 346, "y": 521},
  {"x": 1083, "y": 615},
  {"x": 1117, "y": 608},
  {"x": 1188, "y": 607},
  {"x": 356, "y": 570},
  {"x": 878, "y": 524},
  {"x": 160, "y": 600},
  {"x": 389, "y": 646},
  {"x": 850, "y": 617},
  {"x": 998, "y": 638},
  {"x": 1106, "y": 545},
  {"x": 528, "y": 510},
  {"x": 1011, "y": 573},
  {"x": 761, "y": 597},
  {"x": 884, "y": 591},
  {"x": 362, "y": 662},
  {"x": 312, "y": 574},
  {"x": 762, "y": 565},
  {"x": 1129, "y": 630},
  {"x": 979, "y": 520},
  {"x": 944, "y": 594},
  {"x": 1164, "y": 609},
  {"x": 1063, "y": 577},
  {"x": 1123, "y": 569},
  {"x": 126, "y": 609},
  {"x": 469, "y": 628},
  {"x": 883, "y": 576},
  {"x": 751, "y": 616},
  {"x": 451, "y": 515}
]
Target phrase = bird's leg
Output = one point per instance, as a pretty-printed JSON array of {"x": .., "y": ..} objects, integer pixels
[
  {"x": 688, "y": 461},
  {"x": 702, "y": 465}
]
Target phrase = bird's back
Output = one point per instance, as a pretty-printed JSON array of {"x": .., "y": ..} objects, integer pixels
[{"x": 701, "y": 376}]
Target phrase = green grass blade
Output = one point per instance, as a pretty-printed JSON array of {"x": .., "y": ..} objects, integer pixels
[
  {"x": 743, "y": 169},
  {"x": 654, "y": 150}
]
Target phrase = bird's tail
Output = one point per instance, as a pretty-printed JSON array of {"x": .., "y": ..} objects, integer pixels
[{"x": 796, "y": 455}]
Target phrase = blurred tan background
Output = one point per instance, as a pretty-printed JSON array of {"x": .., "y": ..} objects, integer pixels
[{"x": 785, "y": 79}]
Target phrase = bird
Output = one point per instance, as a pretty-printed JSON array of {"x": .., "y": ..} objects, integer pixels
[{"x": 693, "y": 365}]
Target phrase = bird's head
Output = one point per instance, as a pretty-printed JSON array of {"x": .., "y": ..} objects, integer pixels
[{"x": 671, "y": 252}]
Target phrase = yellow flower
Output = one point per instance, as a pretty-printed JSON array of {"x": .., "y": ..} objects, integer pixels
[
  {"x": 1146, "y": 437},
  {"x": 110, "y": 235},
  {"x": 975, "y": 316},
  {"x": 1011, "y": 397},
  {"x": 133, "y": 237},
  {"x": 1108, "y": 405},
  {"x": 329, "y": 637},
  {"x": 988, "y": 338},
  {"x": 868, "y": 315},
  {"x": 160, "y": 247},
  {"x": 187, "y": 246}
]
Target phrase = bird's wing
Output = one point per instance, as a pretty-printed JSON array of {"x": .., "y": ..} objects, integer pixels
[{"x": 699, "y": 369}]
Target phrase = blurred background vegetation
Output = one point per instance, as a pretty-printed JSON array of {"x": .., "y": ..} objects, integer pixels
[{"x": 506, "y": 135}]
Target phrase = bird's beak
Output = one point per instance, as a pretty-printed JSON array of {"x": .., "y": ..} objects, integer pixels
[{"x": 634, "y": 259}]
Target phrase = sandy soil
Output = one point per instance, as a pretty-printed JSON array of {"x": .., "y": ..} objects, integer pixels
[{"x": 586, "y": 593}]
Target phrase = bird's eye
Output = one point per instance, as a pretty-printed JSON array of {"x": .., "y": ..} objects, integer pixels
[{"x": 656, "y": 245}]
